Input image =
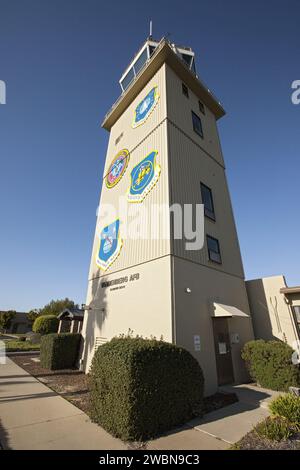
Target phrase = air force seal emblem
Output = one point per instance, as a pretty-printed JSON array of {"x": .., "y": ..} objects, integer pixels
[
  {"x": 145, "y": 107},
  {"x": 143, "y": 177},
  {"x": 110, "y": 245},
  {"x": 117, "y": 168}
]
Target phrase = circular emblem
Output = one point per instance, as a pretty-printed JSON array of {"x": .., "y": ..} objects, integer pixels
[
  {"x": 142, "y": 175},
  {"x": 117, "y": 168}
]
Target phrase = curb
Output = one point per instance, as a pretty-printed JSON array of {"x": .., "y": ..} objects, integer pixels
[{"x": 22, "y": 353}]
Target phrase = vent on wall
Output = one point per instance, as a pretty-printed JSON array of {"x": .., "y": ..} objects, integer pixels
[{"x": 98, "y": 341}]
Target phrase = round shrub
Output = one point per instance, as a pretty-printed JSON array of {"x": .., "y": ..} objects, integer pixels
[
  {"x": 141, "y": 388},
  {"x": 287, "y": 406},
  {"x": 270, "y": 364},
  {"x": 45, "y": 324}
]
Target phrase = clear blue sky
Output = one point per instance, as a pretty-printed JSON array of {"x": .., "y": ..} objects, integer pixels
[{"x": 61, "y": 61}]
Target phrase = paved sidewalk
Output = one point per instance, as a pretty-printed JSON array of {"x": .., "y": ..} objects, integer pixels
[
  {"x": 32, "y": 416},
  {"x": 219, "y": 429}
]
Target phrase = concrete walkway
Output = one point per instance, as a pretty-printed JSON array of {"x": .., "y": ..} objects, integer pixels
[
  {"x": 32, "y": 416},
  {"x": 221, "y": 428}
]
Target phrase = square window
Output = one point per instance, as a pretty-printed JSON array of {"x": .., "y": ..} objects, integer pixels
[
  {"x": 201, "y": 107},
  {"x": 185, "y": 90},
  {"x": 207, "y": 200},
  {"x": 213, "y": 247},
  {"x": 197, "y": 125}
]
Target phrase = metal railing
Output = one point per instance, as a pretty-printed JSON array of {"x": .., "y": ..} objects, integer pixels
[{"x": 161, "y": 43}]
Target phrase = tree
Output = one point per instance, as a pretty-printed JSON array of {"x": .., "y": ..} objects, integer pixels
[
  {"x": 6, "y": 318},
  {"x": 55, "y": 307},
  {"x": 32, "y": 315}
]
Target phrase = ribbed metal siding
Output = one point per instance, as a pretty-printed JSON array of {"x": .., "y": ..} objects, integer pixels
[
  {"x": 179, "y": 109},
  {"x": 189, "y": 166},
  {"x": 130, "y": 136},
  {"x": 138, "y": 251}
]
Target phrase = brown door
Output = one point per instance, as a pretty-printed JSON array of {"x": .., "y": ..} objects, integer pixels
[{"x": 223, "y": 351}]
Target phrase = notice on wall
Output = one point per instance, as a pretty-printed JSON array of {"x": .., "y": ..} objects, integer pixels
[{"x": 197, "y": 343}]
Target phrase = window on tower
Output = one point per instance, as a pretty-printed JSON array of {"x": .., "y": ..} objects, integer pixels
[
  {"x": 128, "y": 79},
  {"x": 213, "y": 248},
  {"x": 140, "y": 61},
  {"x": 201, "y": 107},
  {"x": 185, "y": 90},
  {"x": 207, "y": 200},
  {"x": 197, "y": 125}
]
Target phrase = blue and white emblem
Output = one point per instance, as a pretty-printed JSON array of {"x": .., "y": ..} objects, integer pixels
[
  {"x": 143, "y": 177},
  {"x": 110, "y": 245},
  {"x": 145, "y": 107}
]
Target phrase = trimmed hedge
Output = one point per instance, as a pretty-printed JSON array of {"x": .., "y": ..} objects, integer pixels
[
  {"x": 140, "y": 387},
  {"x": 270, "y": 364},
  {"x": 45, "y": 324},
  {"x": 59, "y": 351}
]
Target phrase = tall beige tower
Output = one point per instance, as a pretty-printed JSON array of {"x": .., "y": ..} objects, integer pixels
[{"x": 164, "y": 151}]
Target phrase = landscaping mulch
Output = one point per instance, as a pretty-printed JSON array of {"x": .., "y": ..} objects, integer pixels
[
  {"x": 252, "y": 441},
  {"x": 72, "y": 384},
  {"x": 219, "y": 400}
]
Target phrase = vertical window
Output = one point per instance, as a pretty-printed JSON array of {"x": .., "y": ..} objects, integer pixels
[
  {"x": 185, "y": 90},
  {"x": 140, "y": 61},
  {"x": 297, "y": 313},
  {"x": 296, "y": 309},
  {"x": 208, "y": 202},
  {"x": 213, "y": 248},
  {"x": 151, "y": 50},
  {"x": 128, "y": 79},
  {"x": 197, "y": 125},
  {"x": 201, "y": 107}
]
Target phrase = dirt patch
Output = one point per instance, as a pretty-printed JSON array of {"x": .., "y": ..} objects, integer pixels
[
  {"x": 219, "y": 400},
  {"x": 254, "y": 442}
]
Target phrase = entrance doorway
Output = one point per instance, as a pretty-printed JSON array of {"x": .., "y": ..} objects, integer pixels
[{"x": 223, "y": 351}]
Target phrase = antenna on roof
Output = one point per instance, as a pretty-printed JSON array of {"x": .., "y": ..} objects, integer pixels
[{"x": 150, "y": 36}]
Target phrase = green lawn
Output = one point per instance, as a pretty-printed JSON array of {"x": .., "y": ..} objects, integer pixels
[{"x": 12, "y": 345}]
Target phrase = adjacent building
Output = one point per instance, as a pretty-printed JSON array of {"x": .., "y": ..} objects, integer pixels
[
  {"x": 19, "y": 324},
  {"x": 164, "y": 150},
  {"x": 275, "y": 309}
]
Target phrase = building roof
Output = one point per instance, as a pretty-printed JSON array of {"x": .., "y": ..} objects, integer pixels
[
  {"x": 17, "y": 313},
  {"x": 71, "y": 314},
  {"x": 162, "y": 54},
  {"x": 290, "y": 290}
]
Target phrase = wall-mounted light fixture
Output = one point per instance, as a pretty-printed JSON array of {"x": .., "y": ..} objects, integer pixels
[{"x": 188, "y": 290}]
